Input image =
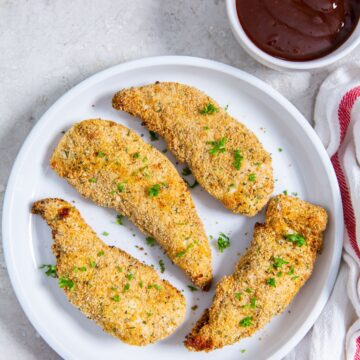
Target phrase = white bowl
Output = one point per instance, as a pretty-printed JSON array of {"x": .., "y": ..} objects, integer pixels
[{"x": 279, "y": 64}]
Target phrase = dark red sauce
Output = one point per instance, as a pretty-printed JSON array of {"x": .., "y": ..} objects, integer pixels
[{"x": 298, "y": 30}]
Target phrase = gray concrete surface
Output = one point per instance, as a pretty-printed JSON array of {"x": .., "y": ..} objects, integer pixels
[{"x": 48, "y": 46}]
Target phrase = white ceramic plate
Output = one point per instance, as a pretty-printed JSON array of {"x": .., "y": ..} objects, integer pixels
[{"x": 302, "y": 167}]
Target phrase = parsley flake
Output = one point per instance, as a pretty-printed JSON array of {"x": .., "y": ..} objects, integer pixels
[
  {"x": 192, "y": 288},
  {"x": 130, "y": 276},
  {"x": 93, "y": 180},
  {"x": 186, "y": 171},
  {"x": 154, "y": 190},
  {"x": 252, "y": 177},
  {"x": 238, "y": 296},
  {"x": 208, "y": 109},
  {"x": 271, "y": 282},
  {"x": 295, "y": 238},
  {"x": 223, "y": 242},
  {"x": 218, "y": 146},
  {"x": 116, "y": 298},
  {"x": 238, "y": 158},
  {"x": 162, "y": 266},
  {"x": 182, "y": 253},
  {"x": 278, "y": 263},
  {"x": 150, "y": 241},
  {"x": 100, "y": 253},
  {"x": 246, "y": 321},
  {"x": 291, "y": 271},
  {"x": 251, "y": 305},
  {"x": 120, "y": 187},
  {"x": 66, "y": 283},
  {"x": 50, "y": 270},
  {"x": 153, "y": 136},
  {"x": 119, "y": 219}
]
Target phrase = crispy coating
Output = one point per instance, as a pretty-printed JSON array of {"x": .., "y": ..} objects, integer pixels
[
  {"x": 111, "y": 165},
  {"x": 267, "y": 276},
  {"x": 225, "y": 157},
  {"x": 124, "y": 297}
]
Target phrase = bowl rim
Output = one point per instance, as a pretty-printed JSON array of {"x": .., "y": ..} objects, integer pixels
[{"x": 271, "y": 61}]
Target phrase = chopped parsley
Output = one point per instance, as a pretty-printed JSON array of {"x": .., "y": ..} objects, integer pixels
[
  {"x": 252, "y": 177},
  {"x": 100, "y": 253},
  {"x": 280, "y": 149},
  {"x": 208, "y": 109},
  {"x": 246, "y": 321},
  {"x": 130, "y": 276},
  {"x": 162, "y": 265},
  {"x": 66, "y": 283},
  {"x": 218, "y": 146},
  {"x": 186, "y": 171},
  {"x": 150, "y": 241},
  {"x": 120, "y": 187},
  {"x": 248, "y": 290},
  {"x": 192, "y": 288},
  {"x": 295, "y": 277},
  {"x": 92, "y": 263},
  {"x": 182, "y": 253},
  {"x": 271, "y": 282},
  {"x": 50, "y": 270},
  {"x": 116, "y": 298},
  {"x": 119, "y": 219},
  {"x": 136, "y": 155},
  {"x": 156, "y": 286},
  {"x": 154, "y": 190},
  {"x": 278, "y": 263},
  {"x": 295, "y": 238},
  {"x": 105, "y": 233},
  {"x": 153, "y": 136},
  {"x": 238, "y": 158},
  {"x": 223, "y": 242},
  {"x": 285, "y": 192},
  {"x": 243, "y": 351},
  {"x": 226, "y": 107},
  {"x": 93, "y": 180},
  {"x": 238, "y": 296},
  {"x": 291, "y": 271},
  {"x": 294, "y": 194},
  {"x": 141, "y": 284},
  {"x": 100, "y": 154},
  {"x": 82, "y": 268},
  {"x": 251, "y": 305},
  {"x": 126, "y": 287}
]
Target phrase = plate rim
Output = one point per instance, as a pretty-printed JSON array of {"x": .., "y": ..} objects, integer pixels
[{"x": 320, "y": 303}]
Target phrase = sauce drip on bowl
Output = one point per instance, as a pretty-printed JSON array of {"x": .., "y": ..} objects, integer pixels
[{"x": 298, "y": 30}]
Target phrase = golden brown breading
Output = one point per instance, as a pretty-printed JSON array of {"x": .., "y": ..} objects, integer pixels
[
  {"x": 267, "y": 276},
  {"x": 123, "y": 296},
  {"x": 225, "y": 157},
  {"x": 111, "y": 165}
]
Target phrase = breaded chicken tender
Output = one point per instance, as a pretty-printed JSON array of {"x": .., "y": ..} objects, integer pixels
[
  {"x": 225, "y": 157},
  {"x": 267, "y": 277},
  {"x": 111, "y": 165},
  {"x": 124, "y": 297}
]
